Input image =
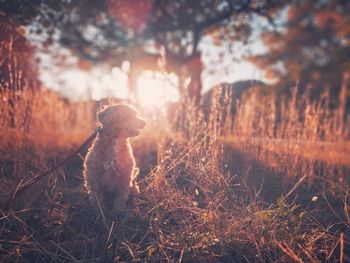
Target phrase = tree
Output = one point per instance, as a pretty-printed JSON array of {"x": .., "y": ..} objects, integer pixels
[
  {"x": 141, "y": 32},
  {"x": 313, "y": 49},
  {"x": 17, "y": 68}
]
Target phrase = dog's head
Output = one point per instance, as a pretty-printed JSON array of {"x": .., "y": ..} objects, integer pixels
[{"x": 121, "y": 120}]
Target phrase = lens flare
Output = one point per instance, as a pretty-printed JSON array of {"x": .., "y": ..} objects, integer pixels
[{"x": 155, "y": 89}]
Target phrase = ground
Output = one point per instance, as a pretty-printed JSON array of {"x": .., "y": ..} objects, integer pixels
[{"x": 205, "y": 197}]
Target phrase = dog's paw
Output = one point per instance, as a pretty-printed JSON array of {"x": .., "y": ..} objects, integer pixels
[
  {"x": 135, "y": 172},
  {"x": 135, "y": 191}
]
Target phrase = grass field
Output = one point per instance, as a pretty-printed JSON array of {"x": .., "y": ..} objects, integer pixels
[{"x": 269, "y": 184}]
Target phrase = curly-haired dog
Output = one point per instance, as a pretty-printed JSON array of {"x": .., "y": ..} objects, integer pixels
[{"x": 109, "y": 168}]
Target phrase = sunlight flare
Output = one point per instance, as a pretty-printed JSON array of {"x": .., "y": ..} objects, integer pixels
[{"x": 155, "y": 89}]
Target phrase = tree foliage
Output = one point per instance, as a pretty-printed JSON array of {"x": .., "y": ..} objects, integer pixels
[
  {"x": 314, "y": 47},
  {"x": 112, "y": 31}
]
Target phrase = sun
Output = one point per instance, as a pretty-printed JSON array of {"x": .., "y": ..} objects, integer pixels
[{"x": 155, "y": 89}]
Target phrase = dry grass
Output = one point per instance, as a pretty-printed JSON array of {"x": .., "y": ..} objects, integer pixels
[
  {"x": 201, "y": 199},
  {"x": 296, "y": 136},
  {"x": 45, "y": 120}
]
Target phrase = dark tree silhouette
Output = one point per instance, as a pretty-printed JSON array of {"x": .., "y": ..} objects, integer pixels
[
  {"x": 145, "y": 33},
  {"x": 17, "y": 68},
  {"x": 314, "y": 48}
]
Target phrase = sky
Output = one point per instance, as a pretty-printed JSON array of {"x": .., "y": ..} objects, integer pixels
[{"x": 224, "y": 64}]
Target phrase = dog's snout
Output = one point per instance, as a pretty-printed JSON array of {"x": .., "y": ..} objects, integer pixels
[{"x": 142, "y": 123}]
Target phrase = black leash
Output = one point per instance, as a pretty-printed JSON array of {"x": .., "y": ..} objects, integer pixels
[{"x": 21, "y": 188}]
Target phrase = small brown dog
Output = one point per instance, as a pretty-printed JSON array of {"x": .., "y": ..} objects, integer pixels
[{"x": 109, "y": 168}]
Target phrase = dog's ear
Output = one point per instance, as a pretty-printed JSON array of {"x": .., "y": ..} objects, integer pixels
[{"x": 102, "y": 115}]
